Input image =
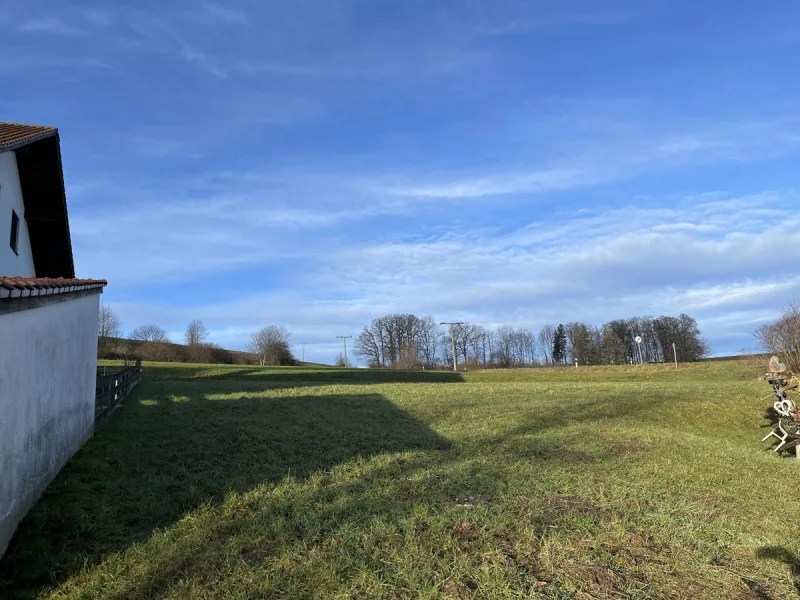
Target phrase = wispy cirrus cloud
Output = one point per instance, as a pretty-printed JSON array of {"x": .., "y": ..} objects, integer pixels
[
  {"x": 621, "y": 261},
  {"x": 697, "y": 254},
  {"x": 612, "y": 161},
  {"x": 97, "y": 17},
  {"x": 226, "y": 14},
  {"x": 51, "y": 25}
]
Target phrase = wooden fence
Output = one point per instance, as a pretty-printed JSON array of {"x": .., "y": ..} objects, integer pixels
[{"x": 111, "y": 389}]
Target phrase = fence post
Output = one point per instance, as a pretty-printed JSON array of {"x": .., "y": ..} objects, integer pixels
[{"x": 112, "y": 389}]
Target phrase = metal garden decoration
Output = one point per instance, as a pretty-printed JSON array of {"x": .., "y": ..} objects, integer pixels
[{"x": 787, "y": 429}]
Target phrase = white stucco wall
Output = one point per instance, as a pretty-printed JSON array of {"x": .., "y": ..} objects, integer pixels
[
  {"x": 11, "y": 198},
  {"x": 48, "y": 370}
]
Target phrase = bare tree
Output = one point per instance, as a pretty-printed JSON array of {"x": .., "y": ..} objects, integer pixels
[
  {"x": 149, "y": 333},
  {"x": 783, "y": 336},
  {"x": 479, "y": 345},
  {"x": 196, "y": 333},
  {"x": 525, "y": 347},
  {"x": 464, "y": 334},
  {"x": 428, "y": 340},
  {"x": 109, "y": 330},
  {"x": 271, "y": 343},
  {"x": 545, "y": 339},
  {"x": 505, "y": 345},
  {"x": 369, "y": 347},
  {"x": 398, "y": 340}
]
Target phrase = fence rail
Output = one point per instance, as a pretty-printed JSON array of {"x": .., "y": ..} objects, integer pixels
[{"x": 111, "y": 389}]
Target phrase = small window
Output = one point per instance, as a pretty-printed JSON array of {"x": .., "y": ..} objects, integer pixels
[{"x": 14, "y": 231}]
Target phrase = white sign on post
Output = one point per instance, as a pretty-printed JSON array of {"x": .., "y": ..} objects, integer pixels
[{"x": 638, "y": 340}]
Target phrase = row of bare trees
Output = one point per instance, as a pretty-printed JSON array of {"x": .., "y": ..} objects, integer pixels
[
  {"x": 400, "y": 340},
  {"x": 408, "y": 341},
  {"x": 267, "y": 346},
  {"x": 151, "y": 342}
]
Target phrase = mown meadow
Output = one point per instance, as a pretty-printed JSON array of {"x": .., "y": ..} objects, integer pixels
[{"x": 254, "y": 482}]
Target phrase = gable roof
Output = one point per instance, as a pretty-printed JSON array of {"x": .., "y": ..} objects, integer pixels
[
  {"x": 14, "y": 135},
  {"x": 41, "y": 178}
]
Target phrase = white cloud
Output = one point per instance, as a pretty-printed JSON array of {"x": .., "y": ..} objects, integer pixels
[
  {"x": 209, "y": 225},
  {"x": 226, "y": 14},
  {"x": 618, "y": 263},
  {"x": 613, "y": 159},
  {"x": 607, "y": 264},
  {"x": 203, "y": 60},
  {"x": 51, "y": 24},
  {"x": 490, "y": 185}
]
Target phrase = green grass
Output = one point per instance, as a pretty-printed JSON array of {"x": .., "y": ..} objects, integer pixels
[{"x": 247, "y": 482}]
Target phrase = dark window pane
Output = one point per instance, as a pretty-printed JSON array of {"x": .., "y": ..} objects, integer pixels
[{"x": 14, "y": 231}]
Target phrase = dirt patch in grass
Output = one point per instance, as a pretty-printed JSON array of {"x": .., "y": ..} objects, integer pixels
[
  {"x": 574, "y": 505},
  {"x": 465, "y": 531},
  {"x": 521, "y": 556},
  {"x": 639, "y": 549},
  {"x": 639, "y": 561},
  {"x": 629, "y": 448},
  {"x": 702, "y": 497},
  {"x": 757, "y": 590},
  {"x": 571, "y": 455},
  {"x": 460, "y": 590}
]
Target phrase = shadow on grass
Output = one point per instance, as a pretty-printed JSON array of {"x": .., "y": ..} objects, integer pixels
[
  {"x": 159, "y": 475},
  {"x": 297, "y": 376},
  {"x": 787, "y": 557},
  {"x": 162, "y": 457}
]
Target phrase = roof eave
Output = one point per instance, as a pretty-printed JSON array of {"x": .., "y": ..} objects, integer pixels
[{"x": 29, "y": 140}]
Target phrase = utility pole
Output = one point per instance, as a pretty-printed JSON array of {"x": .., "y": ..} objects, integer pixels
[
  {"x": 344, "y": 339},
  {"x": 303, "y": 345},
  {"x": 453, "y": 340}
]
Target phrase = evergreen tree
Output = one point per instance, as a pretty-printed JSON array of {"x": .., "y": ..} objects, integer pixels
[{"x": 559, "y": 345}]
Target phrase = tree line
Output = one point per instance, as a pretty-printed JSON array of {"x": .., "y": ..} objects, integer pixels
[
  {"x": 267, "y": 346},
  {"x": 409, "y": 341}
]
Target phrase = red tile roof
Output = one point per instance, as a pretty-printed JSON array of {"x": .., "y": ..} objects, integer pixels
[
  {"x": 14, "y": 135},
  {"x": 20, "y": 287}
]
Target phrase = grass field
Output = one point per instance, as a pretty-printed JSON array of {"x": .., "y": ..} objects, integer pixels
[{"x": 238, "y": 482}]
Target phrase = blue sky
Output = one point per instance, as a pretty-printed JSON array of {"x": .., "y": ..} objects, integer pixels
[{"x": 318, "y": 163}]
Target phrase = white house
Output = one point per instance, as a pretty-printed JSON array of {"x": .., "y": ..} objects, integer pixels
[{"x": 48, "y": 324}]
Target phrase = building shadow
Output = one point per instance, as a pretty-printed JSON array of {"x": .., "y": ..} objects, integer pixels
[
  {"x": 160, "y": 457},
  {"x": 281, "y": 377}
]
